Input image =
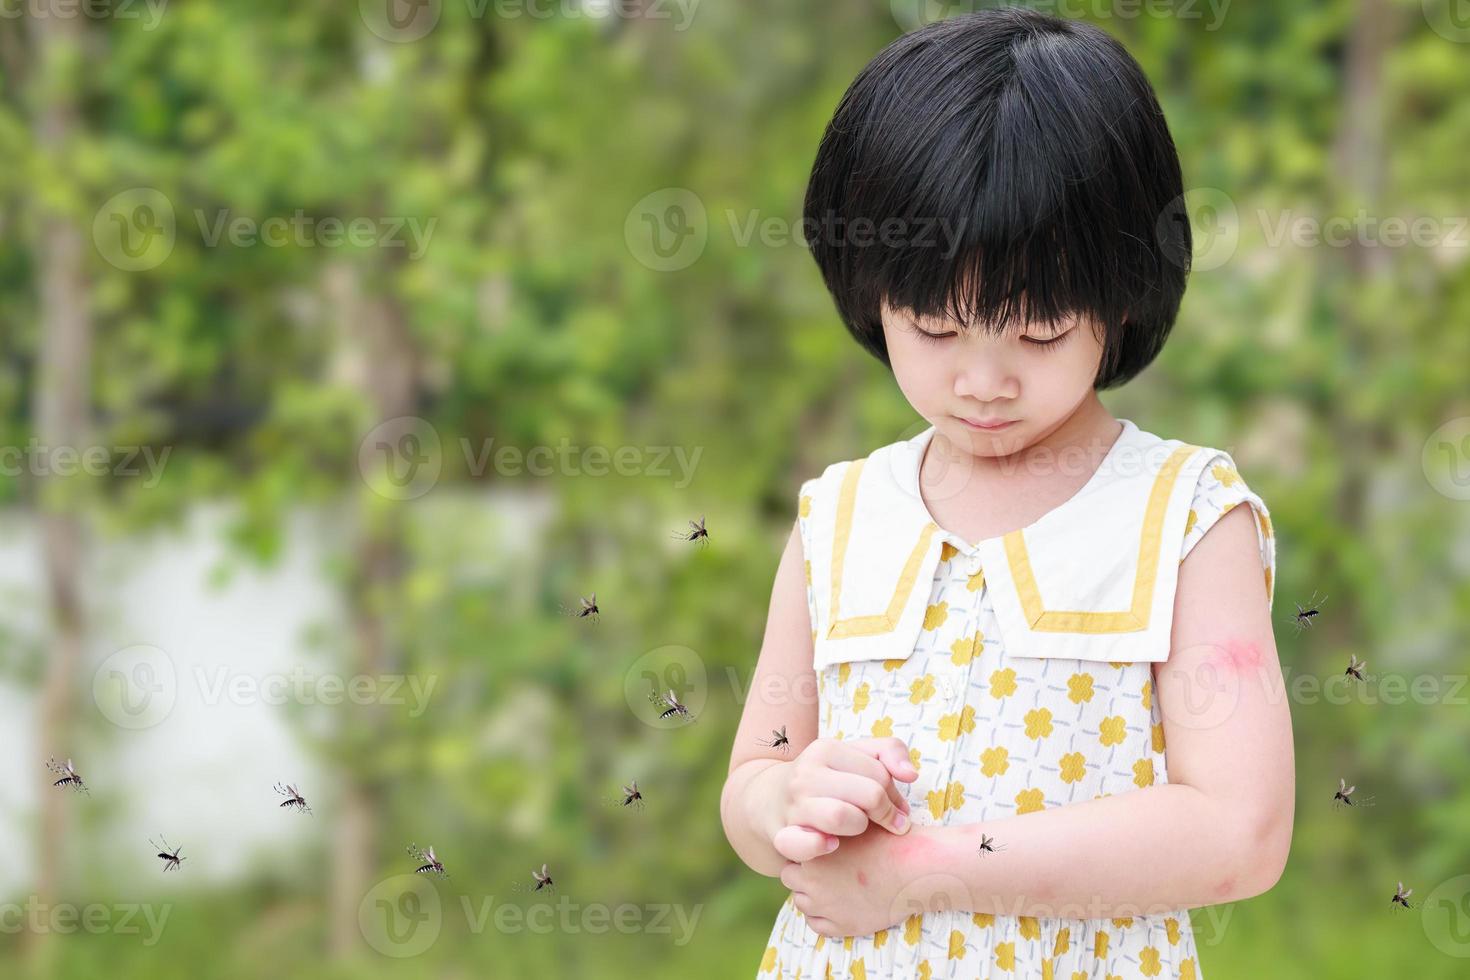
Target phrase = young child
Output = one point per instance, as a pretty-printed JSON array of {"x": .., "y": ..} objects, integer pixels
[{"x": 982, "y": 638}]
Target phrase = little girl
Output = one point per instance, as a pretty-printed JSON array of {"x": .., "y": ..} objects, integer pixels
[{"x": 982, "y": 638}]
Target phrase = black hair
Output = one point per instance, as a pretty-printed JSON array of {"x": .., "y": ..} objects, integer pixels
[{"x": 1003, "y": 167}]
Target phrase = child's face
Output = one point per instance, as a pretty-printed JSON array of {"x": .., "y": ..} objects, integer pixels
[{"x": 954, "y": 375}]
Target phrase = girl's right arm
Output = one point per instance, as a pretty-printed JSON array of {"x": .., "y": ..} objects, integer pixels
[{"x": 780, "y": 807}]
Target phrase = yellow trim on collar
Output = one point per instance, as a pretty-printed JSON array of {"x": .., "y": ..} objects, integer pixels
[
  {"x": 888, "y": 620},
  {"x": 1081, "y": 621}
]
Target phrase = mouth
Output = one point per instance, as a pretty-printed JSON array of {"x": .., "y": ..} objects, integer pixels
[{"x": 992, "y": 426}]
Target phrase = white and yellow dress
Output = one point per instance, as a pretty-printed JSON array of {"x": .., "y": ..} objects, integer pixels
[{"x": 1018, "y": 670}]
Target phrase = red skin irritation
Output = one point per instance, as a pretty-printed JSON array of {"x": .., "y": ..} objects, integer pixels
[
  {"x": 1239, "y": 655},
  {"x": 862, "y": 879},
  {"x": 1224, "y": 888},
  {"x": 912, "y": 848}
]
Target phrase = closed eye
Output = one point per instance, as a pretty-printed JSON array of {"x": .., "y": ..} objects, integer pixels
[
  {"x": 1052, "y": 342},
  {"x": 926, "y": 335}
]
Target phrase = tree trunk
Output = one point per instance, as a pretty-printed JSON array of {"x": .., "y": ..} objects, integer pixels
[
  {"x": 61, "y": 408},
  {"x": 377, "y": 348}
]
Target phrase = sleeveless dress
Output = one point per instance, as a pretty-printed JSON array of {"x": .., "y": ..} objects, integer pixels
[{"x": 994, "y": 734}]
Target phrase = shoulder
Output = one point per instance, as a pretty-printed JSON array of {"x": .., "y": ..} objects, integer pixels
[
  {"x": 1209, "y": 479},
  {"x": 827, "y": 484},
  {"x": 1219, "y": 489}
]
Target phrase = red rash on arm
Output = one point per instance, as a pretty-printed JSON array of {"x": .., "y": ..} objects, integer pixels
[
  {"x": 913, "y": 847},
  {"x": 1241, "y": 655}
]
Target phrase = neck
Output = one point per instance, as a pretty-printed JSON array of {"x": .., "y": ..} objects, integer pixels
[{"x": 1082, "y": 436}]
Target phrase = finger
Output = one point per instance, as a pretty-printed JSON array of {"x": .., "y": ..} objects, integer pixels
[
  {"x": 873, "y": 798},
  {"x": 891, "y": 751},
  {"x": 860, "y": 762},
  {"x": 790, "y": 872},
  {"x": 830, "y": 815},
  {"x": 797, "y": 843}
]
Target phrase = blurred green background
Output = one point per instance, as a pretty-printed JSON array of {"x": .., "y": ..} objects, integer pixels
[{"x": 343, "y": 345}]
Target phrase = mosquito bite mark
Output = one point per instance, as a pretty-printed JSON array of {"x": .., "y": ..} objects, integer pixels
[
  {"x": 1225, "y": 888},
  {"x": 862, "y": 879},
  {"x": 911, "y": 848},
  {"x": 1239, "y": 655}
]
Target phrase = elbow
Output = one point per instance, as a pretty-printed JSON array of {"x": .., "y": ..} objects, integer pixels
[{"x": 1262, "y": 860}]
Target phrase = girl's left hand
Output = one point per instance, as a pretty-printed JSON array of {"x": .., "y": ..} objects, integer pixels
[{"x": 856, "y": 890}]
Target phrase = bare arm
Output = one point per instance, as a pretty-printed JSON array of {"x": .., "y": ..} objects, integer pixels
[
  {"x": 1219, "y": 830},
  {"x": 783, "y": 692}
]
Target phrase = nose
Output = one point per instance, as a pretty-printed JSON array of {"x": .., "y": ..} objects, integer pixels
[{"x": 985, "y": 376}]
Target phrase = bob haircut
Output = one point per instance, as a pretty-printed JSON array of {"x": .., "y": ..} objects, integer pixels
[{"x": 1004, "y": 167}]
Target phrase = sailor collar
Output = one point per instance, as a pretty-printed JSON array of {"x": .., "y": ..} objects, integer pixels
[{"x": 1092, "y": 579}]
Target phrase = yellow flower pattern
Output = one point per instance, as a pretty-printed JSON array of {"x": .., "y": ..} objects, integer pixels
[{"x": 995, "y": 735}]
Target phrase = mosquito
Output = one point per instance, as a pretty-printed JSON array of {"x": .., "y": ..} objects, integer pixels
[
  {"x": 696, "y": 532},
  {"x": 427, "y": 861},
  {"x": 670, "y": 704},
  {"x": 1401, "y": 897},
  {"x": 543, "y": 880},
  {"x": 1303, "y": 617},
  {"x": 293, "y": 797},
  {"x": 587, "y": 608},
  {"x": 777, "y": 741},
  {"x": 632, "y": 796},
  {"x": 171, "y": 859},
  {"x": 987, "y": 843},
  {"x": 1355, "y": 666},
  {"x": 1344, "y": 796},
  {"x": 69, "y": 776}
]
